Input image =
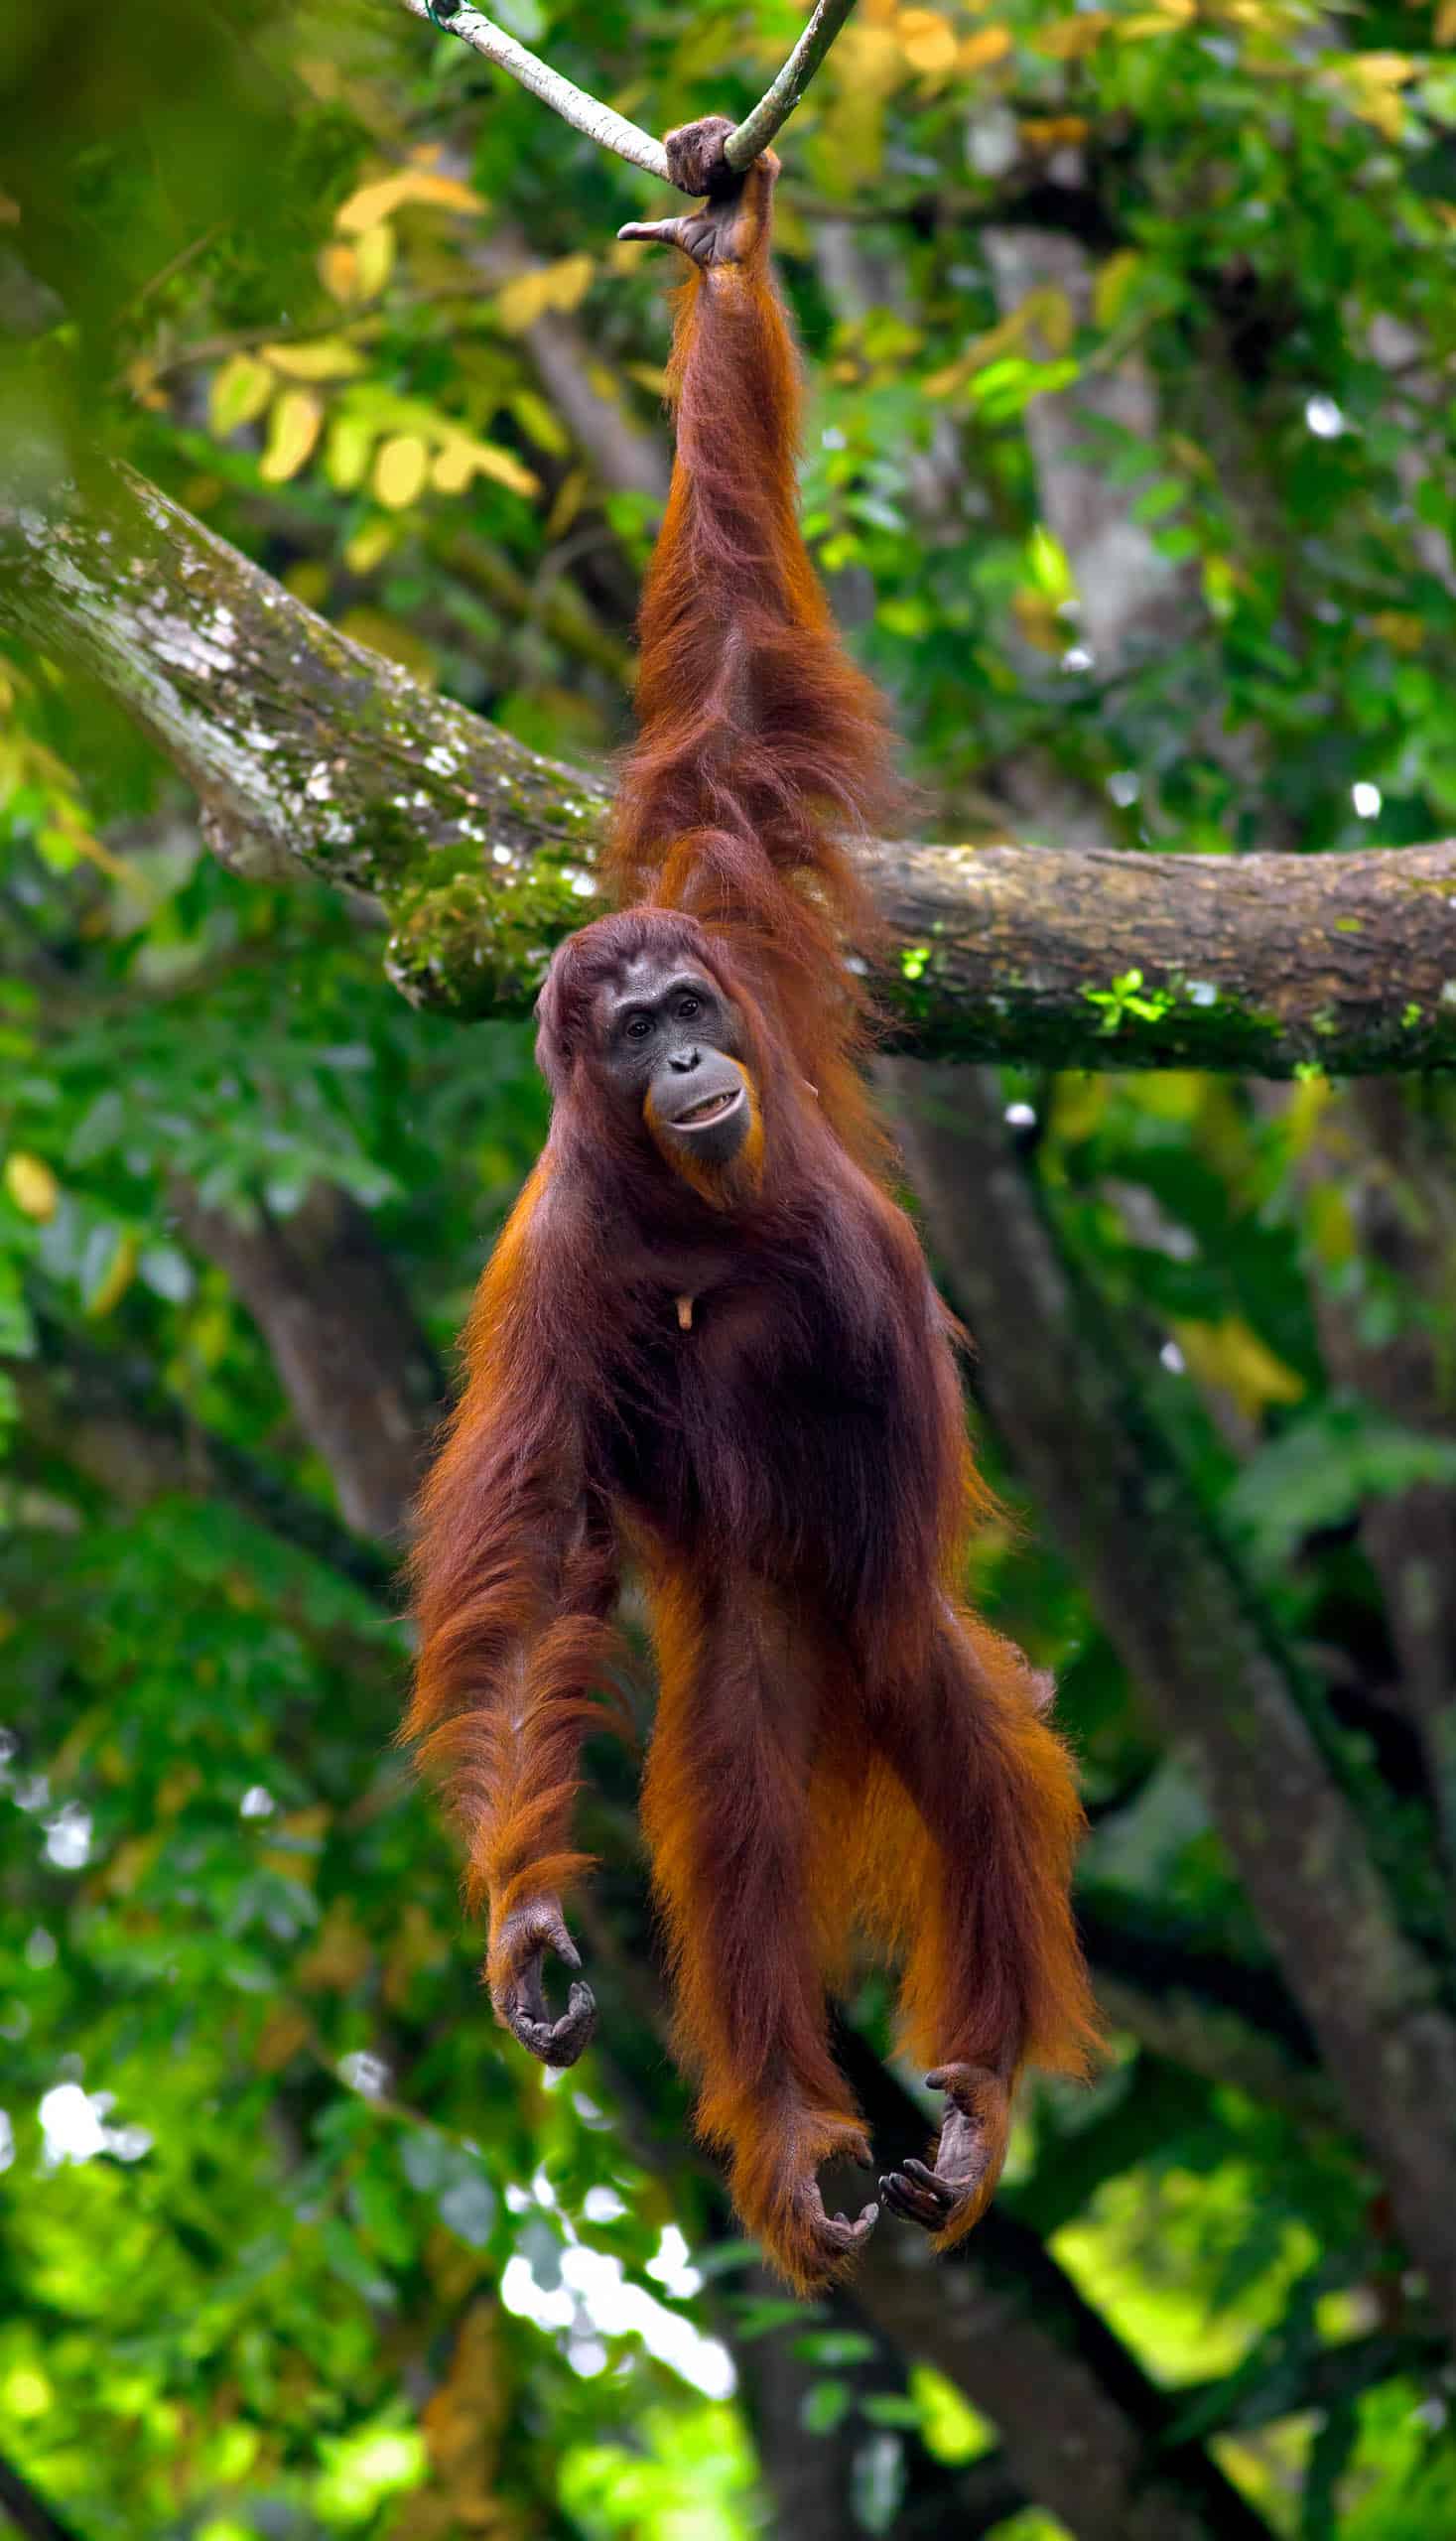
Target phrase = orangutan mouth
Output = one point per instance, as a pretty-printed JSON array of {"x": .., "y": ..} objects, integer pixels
[{"x": 713, "y": 1107}]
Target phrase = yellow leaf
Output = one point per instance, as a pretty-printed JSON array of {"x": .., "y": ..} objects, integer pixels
[
  {"x": 452, "y": 468},
  {"x": 1382, "y": 70},
  {"x": 503, "y": 469},
  {"x": 308, "y": 580},
  {"x": 468, "y": 457},
  {"x": 374, "y": 256},
  {"x": 528, "y": 295},
  {"x": 400, "y": 470},
  {"x": 537, "y": 418},
  {"x": 116, "y": 1279},
  {"x": 572, "y": 279},
  {"x": 867, "y": 63},
  {"x": 370, "y": 546},
  {"x": 32, "y": 1186},
  {"x": 140, "y": 379},
  {"x": 571, "y": 494},
  {"x": 1050, "y": 313},
  {"x": 338, "y": 271},
  {"x": 1231, "y": 1355},
  {"x": 348, "y": 451},
  {"x": 524, "y": 298},
  {"x": 328, "y": 357},
  {"x": 1443, "y": 30},
  {"x": 1114, "y": 280},
  {"x": 1054, "y": 132},
  {"x": 1332, "y": 1228},
  {"x": 240, "y": 390},
  {"x": 928, "y": 42},
  {"x": 285, "y": 2029},
  {"x": 1037, "y": 619},
  {"x": 1308, "y": 1103},
  {"x": 375, "y": 203},
  {"x": 979, "y": 52},
  {"x": 1404, "y": 632},
  {"x": 1068, "y": 39},
  {"x": 293, "y": 429},
  {"x": 1373, "y": 81}
]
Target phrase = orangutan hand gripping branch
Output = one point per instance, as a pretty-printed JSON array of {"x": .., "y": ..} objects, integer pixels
[{"x": 708, "y": 1343}]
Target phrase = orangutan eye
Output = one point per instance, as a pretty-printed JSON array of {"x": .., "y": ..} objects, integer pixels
[
  {"x": 638, "y": 1026},
  {"x": 688, "y": 1006}
]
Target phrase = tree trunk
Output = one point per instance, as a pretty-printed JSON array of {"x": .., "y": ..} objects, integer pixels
[
  {"x": 1074, "y": 1416},
  {"x": 349, "y": 1352}
]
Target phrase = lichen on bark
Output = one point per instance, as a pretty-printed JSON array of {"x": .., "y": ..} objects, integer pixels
[{"x": 309, "y": 753}]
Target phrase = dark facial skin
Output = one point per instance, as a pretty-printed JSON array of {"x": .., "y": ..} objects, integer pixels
[{"x": 668, "y": 1038}]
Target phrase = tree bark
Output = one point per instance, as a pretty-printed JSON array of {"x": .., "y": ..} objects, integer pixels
[
  {"x": 1083, "y": 2430},
  {"x": 1074, "y": 1416},
  {"x": 110, "y": 1420},
  {"x": 344, "y": 1338},
  {"x": 309, "y": 753},
  {"x": 29, "y": 2512},
  {"x": 1391, "y": 1159}
]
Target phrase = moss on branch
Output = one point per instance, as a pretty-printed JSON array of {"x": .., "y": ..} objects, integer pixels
[{"x": 307, "y": 750}]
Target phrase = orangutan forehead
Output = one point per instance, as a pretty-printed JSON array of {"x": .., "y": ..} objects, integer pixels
[{"x": 657, "y": 967}]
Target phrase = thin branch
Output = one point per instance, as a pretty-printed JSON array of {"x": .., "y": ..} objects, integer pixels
[
  {"x": 777, "y": 104},
  {"x": 601, "y": 123}
]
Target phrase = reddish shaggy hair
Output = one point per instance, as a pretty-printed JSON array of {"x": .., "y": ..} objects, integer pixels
[{"x": 839, "y": 1745}]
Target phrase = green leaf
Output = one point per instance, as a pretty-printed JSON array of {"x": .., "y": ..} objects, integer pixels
[{"x": 823, "y": 2406}]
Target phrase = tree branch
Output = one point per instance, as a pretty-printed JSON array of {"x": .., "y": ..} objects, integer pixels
[
  {"x": 309, "y": 753},
  {"x": 1083, "y": 2430},
  {"x": 27, "y": 2510},
  {"x": 585, "y": 113},
  {"x": 779, "y": 101},
  {"x": 343, "y": 1339},
  {"x": 110, "y": 1419},
  {"x": 603, "y": 124}
]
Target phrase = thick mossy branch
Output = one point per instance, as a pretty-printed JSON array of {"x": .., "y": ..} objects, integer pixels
[{"x": 306, "y": 750}]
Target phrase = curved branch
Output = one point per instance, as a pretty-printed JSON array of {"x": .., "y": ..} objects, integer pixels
[
  {"x": 309, "y": 753},
  {"x": 777, "y": 104},
  {"x": 601, "y": 123}
]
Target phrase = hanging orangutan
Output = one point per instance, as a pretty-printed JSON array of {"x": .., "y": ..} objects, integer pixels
[{"x": 708, "y": 1343}]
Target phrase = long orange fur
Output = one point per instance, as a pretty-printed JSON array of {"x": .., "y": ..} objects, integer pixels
[{"x": 841, "y": 1748}]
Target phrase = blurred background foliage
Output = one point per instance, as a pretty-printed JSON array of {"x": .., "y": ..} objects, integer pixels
[{"x": 1131, "y": 467}]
